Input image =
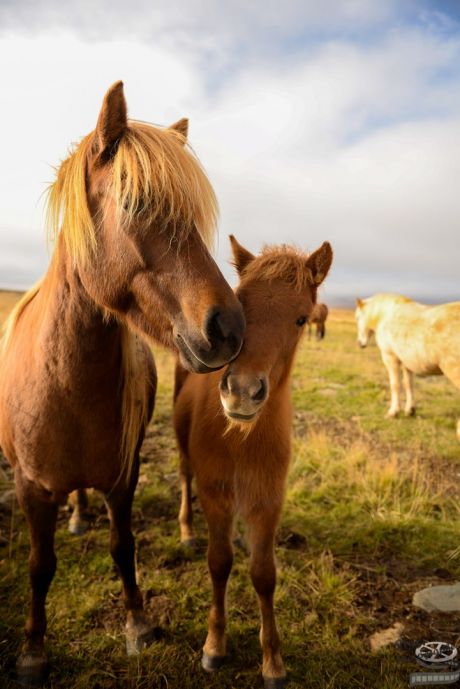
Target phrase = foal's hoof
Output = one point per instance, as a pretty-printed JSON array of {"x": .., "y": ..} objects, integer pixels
[
  {"x": 32, "y": 669},
  {"x": 410, "y": 412},
  {"x": 274, "y": 682},
  {"x": 211, "y": 663}
]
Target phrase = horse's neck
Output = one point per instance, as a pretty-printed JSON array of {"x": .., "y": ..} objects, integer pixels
[
  {"x": 375, "y": 313},
  {"x": 72, "y": 323}
]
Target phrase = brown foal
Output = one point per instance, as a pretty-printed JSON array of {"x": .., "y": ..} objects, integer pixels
[
  {"x": 234, "y": 431},
  {"x": 133, "y": 212}
]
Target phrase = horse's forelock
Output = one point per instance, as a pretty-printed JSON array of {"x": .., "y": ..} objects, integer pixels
[{"x": 151, "y": 171}]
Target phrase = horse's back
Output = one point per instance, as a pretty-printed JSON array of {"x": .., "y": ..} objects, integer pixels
[{"x": 424, "y": 338}]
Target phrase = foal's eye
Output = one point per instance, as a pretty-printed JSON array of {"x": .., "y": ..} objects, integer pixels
[{"x": 301, "y": 321}]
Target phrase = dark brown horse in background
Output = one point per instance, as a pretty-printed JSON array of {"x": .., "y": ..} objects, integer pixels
[
  {"x": 234, "y": 434},
  {"x": 77, "y": 384},
  {"x": 318, "y": 318}
]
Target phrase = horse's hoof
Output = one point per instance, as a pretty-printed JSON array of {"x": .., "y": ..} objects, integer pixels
[
  {"x": 31, "y": 669},
  {"x": 211, "y": 663},
  {"x": 240, "y": 544},
  {"x": 274, "y": 682},
  {"x": 410, "y": 412},
  {"x": 189, "y": 543},
  {"x": 138, "y": 636},
  {"x": 78, "y": 528}
]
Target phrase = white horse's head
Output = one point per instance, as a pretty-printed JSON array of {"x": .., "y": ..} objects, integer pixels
[{"x": 364, "y": 331}]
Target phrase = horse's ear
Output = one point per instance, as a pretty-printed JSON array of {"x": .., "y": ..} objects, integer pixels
[
  {"x": 241, "y": 256},
  {"x": 113, "y": 117},
  {"x": 181, "y": 128},
  {"x": 359, "y": 303},
  {"x": 319, "y": 262}
]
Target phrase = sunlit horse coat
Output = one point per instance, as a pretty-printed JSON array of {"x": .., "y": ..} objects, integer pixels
[{"x": 419, "y": 339}]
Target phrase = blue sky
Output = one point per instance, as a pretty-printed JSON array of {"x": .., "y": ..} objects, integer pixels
[{"x": 337, "y": 120}]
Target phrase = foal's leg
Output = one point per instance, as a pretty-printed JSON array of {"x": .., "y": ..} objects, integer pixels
[
  {"x": 187, "y": 535},
  {"x": 262, "y": 526},
  {"x": 408, "y": 382},
  {"x": 119, "y": 504},
  {"x": 41, "y": 516},
  {"x": 77, "y": 522},
  {"x": 219, "y": 514},
  {"x": 392, "y": 366}
]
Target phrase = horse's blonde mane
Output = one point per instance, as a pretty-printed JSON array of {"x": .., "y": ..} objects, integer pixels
[
  {"x": 375, "y": 307},
  {"x": 10, "y": 323},
  {"x": 135, "y": 397},
  {"x": 282, "y": 262},
  {"x": 153, "y": 175}
]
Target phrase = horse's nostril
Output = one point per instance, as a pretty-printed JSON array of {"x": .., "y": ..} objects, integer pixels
[
  {"x": 216, "y": 328},
  {"x": 261, "y": 393}
]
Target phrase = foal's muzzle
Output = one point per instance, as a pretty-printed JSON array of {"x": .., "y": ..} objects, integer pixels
[{"x": 243, "y": 395}]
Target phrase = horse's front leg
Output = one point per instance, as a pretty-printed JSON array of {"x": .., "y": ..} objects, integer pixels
[
  {"x": 32, "y": 664},
  {"x": 218, "y": 509},
  {"x": 119, "y": 504},
  {"x": 408, "y": 382},
  {"x": 392, "y": 366},
  {"x": 262, "y": 527},
  {"x": 78, "y": 523}
]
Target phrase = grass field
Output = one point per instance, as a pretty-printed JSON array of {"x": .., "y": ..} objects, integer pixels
[{"x": 372, "y": 514}]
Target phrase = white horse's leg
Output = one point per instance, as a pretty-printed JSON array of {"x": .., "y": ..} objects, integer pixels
[
  {"x": 408, "y": 382},
  {"x": 392, "y": 366}
]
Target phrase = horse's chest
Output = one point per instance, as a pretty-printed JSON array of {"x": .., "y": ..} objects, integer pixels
[{"x": 65, "y": 439}]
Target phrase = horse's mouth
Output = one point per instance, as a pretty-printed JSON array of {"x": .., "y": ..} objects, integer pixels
[
  {"x": 240, "y": 417},
  {"x": 190, "y": 360}
]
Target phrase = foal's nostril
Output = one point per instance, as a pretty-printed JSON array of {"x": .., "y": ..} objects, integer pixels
[
  {"x": 224, "y": 384},
  {"x": 261, "y": 393}
]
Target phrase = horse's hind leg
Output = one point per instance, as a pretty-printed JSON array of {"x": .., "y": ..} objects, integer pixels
[
  {"x": 219, "y": 515},
  {"x": 187, "y": 535},
  {"x": 119, "y": 504},
  {"x": 451, "y": 370},
  {"x": 78, "y": 523},
  {"x": 408, "y": 382},
  {"x": 41, "y": 516},
  {"x": 262, "y": 528},
  {"x": 392, "y": 366}
]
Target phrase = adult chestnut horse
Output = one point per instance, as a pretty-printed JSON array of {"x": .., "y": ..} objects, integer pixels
[
  {"x": 234, "y": 434},
  {"x": 77, "y": 385}
]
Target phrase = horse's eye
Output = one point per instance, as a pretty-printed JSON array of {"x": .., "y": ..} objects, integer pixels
[{"x": 301, "y": 321}]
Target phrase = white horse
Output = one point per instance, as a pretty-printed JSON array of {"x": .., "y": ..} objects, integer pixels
[{"x": 419, "y": 339}]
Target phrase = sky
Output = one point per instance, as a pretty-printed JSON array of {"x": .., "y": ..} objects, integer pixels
[{"x": 336, "y": 120}]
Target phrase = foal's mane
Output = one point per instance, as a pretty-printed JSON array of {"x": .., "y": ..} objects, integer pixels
[
  {"x": 153, "y": 172},
  {"x": 282, "y": 262}
]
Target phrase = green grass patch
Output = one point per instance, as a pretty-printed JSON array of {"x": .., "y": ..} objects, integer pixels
[{"x": 371, "y": 515}]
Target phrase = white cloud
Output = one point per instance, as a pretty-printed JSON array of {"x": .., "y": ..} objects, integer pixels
[{"x": 352, "y": 141}]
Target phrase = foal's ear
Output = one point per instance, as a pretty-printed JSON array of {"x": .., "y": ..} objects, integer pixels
[
  {"x": 113, "y": 118},
  {"x": 319, "y": 262},
  {"x": 359, "y": 303},
  {"x": 241, "y": 256},
  {"x": 181, "y": 128}
]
